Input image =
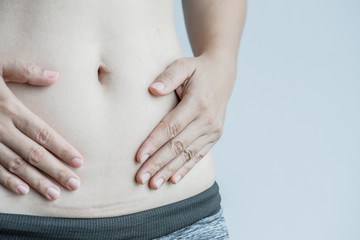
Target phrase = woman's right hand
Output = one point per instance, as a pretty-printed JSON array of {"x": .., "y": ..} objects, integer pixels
[{"x": 27, "y": 143}]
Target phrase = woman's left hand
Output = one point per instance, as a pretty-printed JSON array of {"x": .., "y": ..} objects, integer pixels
[{"x": 187, "y": 133}]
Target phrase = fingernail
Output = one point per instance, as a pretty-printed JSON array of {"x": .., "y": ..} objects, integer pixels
[
  {"x": 77, "y": 162},
  {"x": 145, "y": 177},
  {"x": 50, "y": 74},
  {"x": 177, "y": 178},
  {"x": 158, "y": 85},
  {"x": 22, "y": 189},
  {"x": 53, "y": 193},
  {"x": 144, "y": 157},
  {"x": 73, "y": 183},
  {"x": 159, "y": 182}
]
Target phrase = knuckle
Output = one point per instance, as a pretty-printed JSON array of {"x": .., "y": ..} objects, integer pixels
[
  {"x": 36, "y": 155},
  {"x": 45, "y": 136},
  {"x": 16, "y": 165},
  {"x": 176, "y": 147},
  {"x": 61, "y": 175},
  {"x": 210, "y": 119},
  {"x": 157, "y": 166},
  {"x": 188, "y": 155},
  {"x": 203, "y": 103},
  {"x": 177, "y": 61},
  {"x": 9, "y": 108},
  {"x": 213, "y": 139},
  {"x": 218, "y": 129},
  {"x": 184, "y": 157},
  {"x": 198, "y": 157},
  {"x": 180, "y": 62},
  {"x": 40, "y": 183},
  {"x": 172, "y": 129},
  {"x": 31, "y": 68}
]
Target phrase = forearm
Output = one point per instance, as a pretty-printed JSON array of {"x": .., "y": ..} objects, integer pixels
[{"x": 214, "y": 27}]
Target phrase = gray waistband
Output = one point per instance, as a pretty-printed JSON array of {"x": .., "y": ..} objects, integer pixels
[{"x": 147, "y": 224}]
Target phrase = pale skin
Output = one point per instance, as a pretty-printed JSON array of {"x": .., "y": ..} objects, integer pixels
[{"x": 204, "y": 84}]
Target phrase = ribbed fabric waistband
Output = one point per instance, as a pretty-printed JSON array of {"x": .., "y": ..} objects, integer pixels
[{"x": 143, "y": 225}]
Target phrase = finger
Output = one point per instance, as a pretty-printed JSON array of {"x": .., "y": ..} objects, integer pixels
[
  {"x": 25, "y": 72},
  {"x": 180, "y": 90},
  {"x": 173, "y": 76},
  {"x": 169, "y": 151},
  {"x": 40, "y": 158},
  {"x": 12, "y": 182},
  {"x": 17, "y": 166},
  {"x": 168, "y": 170},
  {"x": 168, "y": 128},
  {"x": 38, "y": 130},
  {"x": 194, "y": 157}
]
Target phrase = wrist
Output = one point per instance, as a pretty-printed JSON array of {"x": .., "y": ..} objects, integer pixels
[{"x": 221, "y": 59}]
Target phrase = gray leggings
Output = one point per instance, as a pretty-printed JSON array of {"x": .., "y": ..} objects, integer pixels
[
  {"x": 212, "y": 227},
  {"x": 197, "y": 217}
]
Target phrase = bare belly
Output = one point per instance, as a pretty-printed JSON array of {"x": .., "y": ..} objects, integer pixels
[{"x": 105, "y": 120}]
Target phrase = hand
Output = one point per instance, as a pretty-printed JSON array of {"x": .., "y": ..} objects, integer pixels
[
  {"x": 27, "y": 142},
  {"x": 186, "y": 134}
]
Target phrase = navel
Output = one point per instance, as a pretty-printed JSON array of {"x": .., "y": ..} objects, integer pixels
[{"x": 103, "y": 73}]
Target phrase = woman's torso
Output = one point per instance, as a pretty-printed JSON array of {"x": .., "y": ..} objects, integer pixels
[{"x": 108, "y": 120}]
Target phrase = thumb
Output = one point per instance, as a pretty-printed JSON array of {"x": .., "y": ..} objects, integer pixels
[
  {"x": 23, "y": 72},
  {"x": 174, "y": 75}
]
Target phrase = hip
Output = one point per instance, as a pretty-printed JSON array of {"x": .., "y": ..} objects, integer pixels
[{"x": 176, "y": 220}]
